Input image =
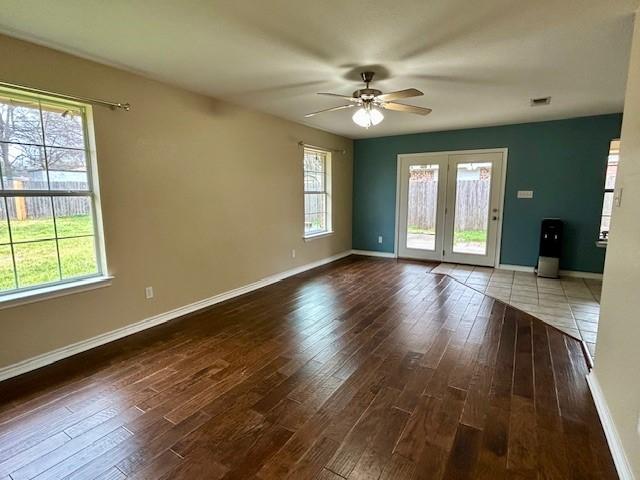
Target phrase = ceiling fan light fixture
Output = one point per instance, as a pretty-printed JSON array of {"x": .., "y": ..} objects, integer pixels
[
  {"x": 367, "y": 117},
  {"x": 376, "y": 116}
]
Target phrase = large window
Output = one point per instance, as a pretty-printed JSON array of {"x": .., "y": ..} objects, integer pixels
[
  {"x": 609, "y": 185},
  {"x": 48, "y": 222},
  {"x": 317, "y": 192}
]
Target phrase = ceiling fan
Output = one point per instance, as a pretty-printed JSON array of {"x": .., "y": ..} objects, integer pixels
[{"x": 371, "y": 101}]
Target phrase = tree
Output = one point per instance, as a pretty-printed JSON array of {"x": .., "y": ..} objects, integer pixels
[{"x": 22, "y": 127}]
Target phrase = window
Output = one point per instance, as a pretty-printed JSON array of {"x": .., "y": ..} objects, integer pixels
[
  {"x": 48, "y": 219},
  {"x": 317, "y": 192},
  {"x": 609, "y": 185}
]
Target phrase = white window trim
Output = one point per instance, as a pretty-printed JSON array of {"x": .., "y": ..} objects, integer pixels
[
  {"x": 23, "y": 297},
  {"x": 602, "y": 242},
  {"x": 315, "y": 236},
  {"x": 36, "y": 293},
  {"x": 328, "y": 180}
]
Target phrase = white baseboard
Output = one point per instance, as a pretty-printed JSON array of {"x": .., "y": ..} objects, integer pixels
[
  {"x": 373, "y": 253},
  {"x": 75, "y": 348},
  {"x": 515, "y": 268},
  {"x": 611, "y": 432},
  {"x": 566, "y": 273},
  {"x": 573, "y": 273}
]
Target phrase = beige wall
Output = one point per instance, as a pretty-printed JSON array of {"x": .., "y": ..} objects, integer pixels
[
  {"x": 199, "y": 197},
  {"x": 618, "y": 351}
]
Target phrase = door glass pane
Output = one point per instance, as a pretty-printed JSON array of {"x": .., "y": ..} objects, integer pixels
[
  {"x": 422, "y": 204},
  {"x": 473, "y": 193},
  {"x": 607, "y": 205}
]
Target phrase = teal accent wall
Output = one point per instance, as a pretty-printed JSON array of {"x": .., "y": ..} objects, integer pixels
[{"x": 562, "y": 161}]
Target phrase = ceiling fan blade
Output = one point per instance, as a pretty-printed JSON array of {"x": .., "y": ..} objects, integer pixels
[
  {"x": 328, "y": 110},
  {"x": 409, "y": 92},
  {"x": 344, "y": 97},
  {"x": 401, "y": 107}
]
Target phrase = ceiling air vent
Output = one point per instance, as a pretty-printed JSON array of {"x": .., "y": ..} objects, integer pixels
[{"x": 536, "y": 102}]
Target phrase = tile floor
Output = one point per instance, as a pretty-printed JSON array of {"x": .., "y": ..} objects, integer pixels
[{"x": 568, "y": 303}]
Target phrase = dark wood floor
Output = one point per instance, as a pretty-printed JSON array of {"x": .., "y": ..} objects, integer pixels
[{"x": 365, "y": 368}]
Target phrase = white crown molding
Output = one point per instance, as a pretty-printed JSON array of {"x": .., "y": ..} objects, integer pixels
[
  {"x": 48, "y": 358},
  {"x": 611, "y": 432}
]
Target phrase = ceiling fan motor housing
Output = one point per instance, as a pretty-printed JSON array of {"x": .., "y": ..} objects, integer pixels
[
  {"x": 366, "y": 93},
  {"x": 367, "y": 77}
]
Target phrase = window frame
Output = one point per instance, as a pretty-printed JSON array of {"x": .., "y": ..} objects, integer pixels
[
  {"x": 606, "y": 190},
  {"x": 28, "y": 294},
  {"x": 328, "y": 230}
]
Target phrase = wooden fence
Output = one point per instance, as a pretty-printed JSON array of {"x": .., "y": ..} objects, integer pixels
[
  {"x": 472, "y": 204},
  {"x": 32, "y": 208}
]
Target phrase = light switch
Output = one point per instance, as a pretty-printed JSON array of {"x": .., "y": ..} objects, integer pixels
[{"x": 525, "y": 193}]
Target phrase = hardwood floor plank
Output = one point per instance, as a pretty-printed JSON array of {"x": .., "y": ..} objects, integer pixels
[
  {"x": 75, "y": 445},
  {"x": 158, "y": 467},
  {"x": 265, "y": 446},
  {"x": 328, "y": 475},
  {"x": 346, "y": 458},
  {"x": 378, "y": 454},
  {"x": 422, "y": 422},
  {"x": 522, "y": 456},
  {"x": 312, "y": 463},
  {"x": 464, "y": 454},
  {"x": 523, "y": 368},
  {"x": 86, "y": 455},
  {"x": 398, "y": 468},
  {"x": 112, "y": 474},
  {"x": 492, "y": 458},
  {"x": 32, "y": 454},
  {"x": 141, "y": 447}
]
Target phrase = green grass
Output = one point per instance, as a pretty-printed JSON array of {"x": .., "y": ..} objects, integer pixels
[
  {"x": 470, "y": 236},
  {"x": 466, "y": 236},
  {"x": 418, "y": 230},
  {"x": 37, "y": 262}
]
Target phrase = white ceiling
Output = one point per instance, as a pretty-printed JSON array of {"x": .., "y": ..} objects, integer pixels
[{"x": 478, "y": 62}]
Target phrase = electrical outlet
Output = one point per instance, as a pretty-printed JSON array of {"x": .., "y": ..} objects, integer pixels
[
  {"x": 293, "y": 253},
  {"x": 379, "y": 238},
  {"x": 148, "y": 292}
]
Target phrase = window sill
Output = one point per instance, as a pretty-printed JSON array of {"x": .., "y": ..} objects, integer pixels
[
  {"x": 53, "y": 291},
  {"x": 315, "y": 236}
]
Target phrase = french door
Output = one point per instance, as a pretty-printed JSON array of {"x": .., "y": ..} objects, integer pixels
[{"x": 449, "y": 206}]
